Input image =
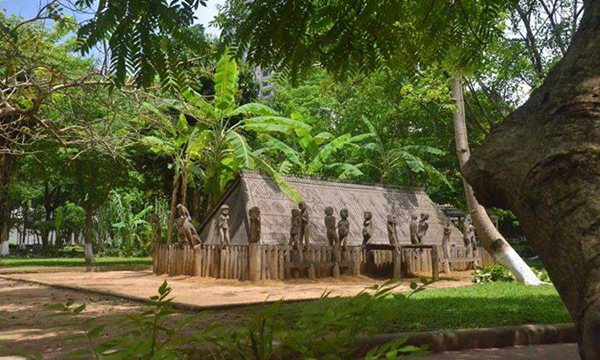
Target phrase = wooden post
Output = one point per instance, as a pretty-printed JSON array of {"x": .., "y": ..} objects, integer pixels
[
  {"x": 356, "y": 257},
  {"x": 254, "y": 263},
  {"x": 336, "y": 270},
  {"x": 435, "y": 266},
  {"x": 311, "y": 271},
  {"x": 397, "y": 261}
]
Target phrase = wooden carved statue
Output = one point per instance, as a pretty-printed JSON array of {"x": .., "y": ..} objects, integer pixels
[
  {"x": 332, "y": 237},
  {"x": 392, "y": 228},
  {"x": 469, "y": 235},
  {"x": 254, "y": 215},
  {"x": 224, "y": 226},
  {"x": 186, "y": 232},
  {"x": 446, "y": 247},
  {"x": 295, "y": 226},
  {"x": 367, "y": 227},
  {"x": 343, "y": 228},
  {"x": 156, "y": 228},
  {"x": 304, "y": 229},
  {"x": 423, "y": 227},
  {"x": 413, "y": 227}
]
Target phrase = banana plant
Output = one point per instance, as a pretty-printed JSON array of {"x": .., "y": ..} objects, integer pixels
[
  {"x": 215, "y": 148},
  {"x": 307, "y": 154},
  {"x": 389, "y": 160}
]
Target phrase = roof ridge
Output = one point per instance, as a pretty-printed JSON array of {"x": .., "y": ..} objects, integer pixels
[{"x": 313, "y": 178}]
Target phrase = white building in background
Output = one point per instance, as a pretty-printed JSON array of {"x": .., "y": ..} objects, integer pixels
[{"x": 265, "y": 85}]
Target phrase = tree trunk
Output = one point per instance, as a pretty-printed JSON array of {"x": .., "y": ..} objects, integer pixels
[
  {"x": 543, "y": 163},
  {"x": 174, "y": 193},
  {"x": 490, "y": 237},
  {"x": 6, "y": 166},
  {"x": 88, "y": 235}
]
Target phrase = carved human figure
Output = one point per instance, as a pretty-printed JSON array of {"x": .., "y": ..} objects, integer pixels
[
  {"x": 469, "y": 239},
  {"x": 343, "y": 228},
  {"x": 446, "y": 247},
  {"x": 224, "y": 226},
  {"x": 156, "y": 228},
  {"x": 254, "y": 215},
  {"x": 413, "y": 228},
  {"x": 295, "y": 226},
  {"x": 304, "y": 229},
  {"x": 186, "y": 232},
  {"x": 182, "y": 211},
  {"x": 332, "y": 237},
  {"x": 367, "y": 227},
  {"x": 423, "y": 227},
  {"x": 392, "y": 229}
]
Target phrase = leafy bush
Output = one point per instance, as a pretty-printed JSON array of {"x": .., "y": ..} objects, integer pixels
[
  {"x": 491, "y": 273},
  {"x": 542, "y": 275},
  {"x": 267, "y": 333}
]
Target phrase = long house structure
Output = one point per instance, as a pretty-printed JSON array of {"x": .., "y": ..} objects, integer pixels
[
  {"x": 274, "y": 257},
  {"x": 255, "y": 189}
]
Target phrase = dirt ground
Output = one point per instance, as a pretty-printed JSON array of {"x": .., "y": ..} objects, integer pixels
[
  {"x": 208, "y": 292},
  {"x": 27, "y": 324}
]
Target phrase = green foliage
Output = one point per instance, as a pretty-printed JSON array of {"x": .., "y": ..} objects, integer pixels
[
  {"x": 144, "y": 40},
  {"x": 302, "y": 152},
  {"x": 264, "y": 334},
  {"x": 125, "y": 217},
  {"x": 362, "y": 36},
  {"x": 72, "y": 262},
  {"x": 215, "y": 149},
  {"x": 492, "y": 273}
]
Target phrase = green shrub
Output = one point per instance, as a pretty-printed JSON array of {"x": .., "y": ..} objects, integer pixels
[
  {"x": 266, "y": 334},
  {"x": 491, "y": 273}
]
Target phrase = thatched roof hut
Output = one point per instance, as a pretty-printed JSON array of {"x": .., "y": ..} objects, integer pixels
[{"x": 254, "y": 189}]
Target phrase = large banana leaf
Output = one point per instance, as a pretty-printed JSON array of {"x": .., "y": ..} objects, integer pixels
[
  {"x": 344, "y": 170},
  {"x": 241, "y": 150},
  {"x": 326, "y": 151},
  {"x": 423, "y": 149},
  {"x": 291, "y": 155},
  {"x": 254, "y": 109},
  {"x": 286, "y": 188},
  {"x": 226, "y": 78},
  {"x": 201, "y": 108},
  {"x": 414, "y": 163},
  {"x": 274, "y": 124}
]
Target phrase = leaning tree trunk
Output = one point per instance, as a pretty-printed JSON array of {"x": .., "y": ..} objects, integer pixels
[
  {"x": 490, "y": 237},
  {"x": 543, "y": 163}
]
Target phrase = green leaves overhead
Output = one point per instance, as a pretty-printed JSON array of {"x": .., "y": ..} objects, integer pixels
[
  {"x": 143, "y": 36},
  {"x": 226, "y": 78}
]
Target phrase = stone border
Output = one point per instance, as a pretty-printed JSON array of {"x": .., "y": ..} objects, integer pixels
[
  {"x": 483, "y": 338},
  {"x": 435, "y": 341}
]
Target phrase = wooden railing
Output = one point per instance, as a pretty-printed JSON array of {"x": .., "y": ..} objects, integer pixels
[{"x": 279, "y": 262}]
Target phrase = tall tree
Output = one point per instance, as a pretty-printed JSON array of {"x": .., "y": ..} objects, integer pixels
[{"x": 542, "y": 163}]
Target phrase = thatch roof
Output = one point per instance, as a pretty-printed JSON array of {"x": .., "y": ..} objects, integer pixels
[{"x": 254, "y": 189}]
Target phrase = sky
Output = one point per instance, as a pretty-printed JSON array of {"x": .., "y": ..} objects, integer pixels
[{"x": 29, "y": 8}]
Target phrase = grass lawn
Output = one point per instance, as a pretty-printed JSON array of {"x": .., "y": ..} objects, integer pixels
[
  {"x": 478, "y": 306},
  {"x": 69, "y": 262}
]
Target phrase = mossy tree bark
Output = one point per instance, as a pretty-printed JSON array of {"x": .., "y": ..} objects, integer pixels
[{"x": 543, "y": 163}]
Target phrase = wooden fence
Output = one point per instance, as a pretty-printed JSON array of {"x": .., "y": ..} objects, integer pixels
[{"x": 280, "y": 262}]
